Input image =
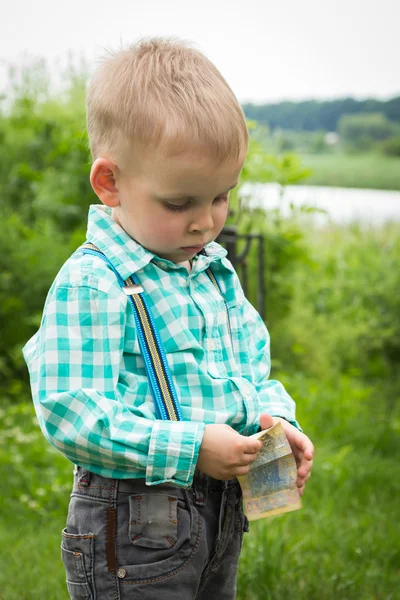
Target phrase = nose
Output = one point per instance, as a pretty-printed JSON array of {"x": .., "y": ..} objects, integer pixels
[{"x": 203, "y": 221}]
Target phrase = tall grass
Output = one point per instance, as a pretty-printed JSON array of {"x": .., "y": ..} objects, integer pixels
[
  {"x": 368, "y": 170},
  {"x": 344, "y": 543}
]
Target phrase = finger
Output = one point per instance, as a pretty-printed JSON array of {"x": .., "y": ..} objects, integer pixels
[
  {"x": 241, "y": 470},
  {"x": 304, "y": 445},
  {"x": 247, "y": 459},
  {"x": 301, "y": 481},
  {"x": 305, "y": 468},
  {"x": 301, "y": 490},
  {"x": 303, "y": 458},
  {"x": 266, "y": 421},
  {"x": 252, "y": 446},
  {"x": 309, "y": 449}
]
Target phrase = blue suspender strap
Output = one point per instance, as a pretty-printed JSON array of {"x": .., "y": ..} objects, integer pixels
[{"x": 161, "y": 384}]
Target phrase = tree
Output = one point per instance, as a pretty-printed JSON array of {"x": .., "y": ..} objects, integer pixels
[{"x": 362, "y": 131}]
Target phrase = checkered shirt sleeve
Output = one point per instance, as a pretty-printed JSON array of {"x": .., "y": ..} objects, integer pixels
[
  {"x": 272, "y": 396},
  {"x": 77, "y": 359}
]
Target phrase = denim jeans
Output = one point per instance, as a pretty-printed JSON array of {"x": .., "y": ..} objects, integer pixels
[{"x": 126, "y": 541}]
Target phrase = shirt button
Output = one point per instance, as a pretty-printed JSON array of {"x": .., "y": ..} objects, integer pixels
[
  {"x": 211, "y": 344},
  {"x": 161, "y": 264},
  {"x": 121, "y": 573}
]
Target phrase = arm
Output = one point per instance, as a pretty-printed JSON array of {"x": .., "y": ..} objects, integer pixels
[
  {"x": 272, "y": 396},
  {"x": 79, "y": 398},
  {"x": 275, "y": 403}
]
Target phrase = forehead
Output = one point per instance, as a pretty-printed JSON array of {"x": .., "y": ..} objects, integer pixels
[{"x": 189, "y": 175}]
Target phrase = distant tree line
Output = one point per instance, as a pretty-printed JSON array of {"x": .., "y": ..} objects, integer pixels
[{"x": 314, "y": 115}]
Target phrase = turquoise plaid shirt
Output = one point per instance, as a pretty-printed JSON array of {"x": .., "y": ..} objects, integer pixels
[{"x": 89, "y": 383}]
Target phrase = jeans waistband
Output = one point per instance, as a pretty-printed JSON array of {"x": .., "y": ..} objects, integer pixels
[{"x": 101, "y": 487}]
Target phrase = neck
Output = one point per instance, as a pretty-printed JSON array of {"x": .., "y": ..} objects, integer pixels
[{"x": 187, "y": 264}]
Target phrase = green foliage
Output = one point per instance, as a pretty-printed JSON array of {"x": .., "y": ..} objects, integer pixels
[
  {"x": 263, "y": 167},
  {"x": 391, "y": 147},
  {"x": 313, "y": 115},
  {"x": 361, "y": 170},
  {"x": 45, "y": 194},
  {"x": 345, "y": 311},
  {"x": 362, "y": 131},
  {"x": 287, "y": 140},
  {"x": 32, "y": 508},
  {"x": 344, "y": 542}
]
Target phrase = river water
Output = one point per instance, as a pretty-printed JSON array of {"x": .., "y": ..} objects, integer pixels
[{"x": 342, "y": 205}]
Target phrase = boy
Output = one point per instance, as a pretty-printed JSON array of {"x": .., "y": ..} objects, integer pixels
[{"x": 156, "y": 509}]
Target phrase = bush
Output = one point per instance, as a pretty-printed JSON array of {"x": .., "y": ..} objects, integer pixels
[
  {"x": 362, "y": 131},
  {"x": 392, "y": 146}
]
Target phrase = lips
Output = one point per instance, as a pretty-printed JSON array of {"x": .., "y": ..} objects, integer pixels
[
  {"x": 195, "y": 246},
  {"x": 192, "y": 248}
]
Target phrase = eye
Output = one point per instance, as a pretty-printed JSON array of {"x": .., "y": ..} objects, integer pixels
[
  {"x": 221, "y": 198},
  {"x": 183, "y": 207},
  {"x": 176, "y": 207}
]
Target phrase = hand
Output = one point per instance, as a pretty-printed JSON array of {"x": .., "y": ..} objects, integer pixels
[
  {"x": 301, "y": 445},
  {"x": 224, "y": 453}
]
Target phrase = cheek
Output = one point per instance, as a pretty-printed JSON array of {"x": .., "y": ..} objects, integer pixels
[
  {"x": 221, "y": 217},
  {"x": 166, "y": 229}
]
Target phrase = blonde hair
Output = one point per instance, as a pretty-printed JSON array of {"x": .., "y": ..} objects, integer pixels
[{"x": 163, "y": 94}]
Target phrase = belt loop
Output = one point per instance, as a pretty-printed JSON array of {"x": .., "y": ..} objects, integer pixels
[
  {"x": 200, "y": 487},
  {"x": 83, "y": 477}
]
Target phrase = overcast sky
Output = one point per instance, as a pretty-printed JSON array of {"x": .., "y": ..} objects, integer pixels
[{"x": 267, "y": 51}]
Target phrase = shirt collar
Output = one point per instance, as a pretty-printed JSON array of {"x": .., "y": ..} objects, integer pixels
[{"x": 129, "y": 257}]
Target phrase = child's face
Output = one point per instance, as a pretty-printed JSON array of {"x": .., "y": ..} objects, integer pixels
[{"x": 173, "y": 206}]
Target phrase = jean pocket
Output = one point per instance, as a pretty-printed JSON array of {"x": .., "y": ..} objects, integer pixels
[
  {"x": 153, "y": 521},
  {"x": 78, "y": 556},
  {"x": 164, "y": 535}
]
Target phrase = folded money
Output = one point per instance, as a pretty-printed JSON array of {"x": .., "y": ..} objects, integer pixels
[{"x": 270, "y": 487}]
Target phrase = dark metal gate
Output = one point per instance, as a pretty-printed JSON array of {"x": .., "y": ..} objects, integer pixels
[{"x": 229, "y": 238}]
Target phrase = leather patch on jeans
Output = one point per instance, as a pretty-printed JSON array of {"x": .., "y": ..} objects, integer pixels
[{"x": 110, "y": 539}]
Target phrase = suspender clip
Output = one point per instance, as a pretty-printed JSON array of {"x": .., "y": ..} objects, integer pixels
[{"x": 135, "y": 288}]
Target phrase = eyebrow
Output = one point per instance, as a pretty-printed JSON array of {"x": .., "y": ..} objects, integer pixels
[{"x": 189, "y": 196}]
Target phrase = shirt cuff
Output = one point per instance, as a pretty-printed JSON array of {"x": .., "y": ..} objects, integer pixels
[
  {"x": 173, "y": 452},
  {"x": 292, "y": 421},
  {"x": 275, "y": 401}
]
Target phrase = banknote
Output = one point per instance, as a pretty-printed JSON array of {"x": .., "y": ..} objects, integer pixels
[
  {"x": 275, "y": 445},
  {"x": 270, "y": 486}
]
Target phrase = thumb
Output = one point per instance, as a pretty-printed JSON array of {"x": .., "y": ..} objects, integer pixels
[
  {"x": 266, "y": 421},
  {"x": 252, "y": 445}
]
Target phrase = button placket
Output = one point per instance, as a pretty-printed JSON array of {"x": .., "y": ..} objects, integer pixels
[{"x": 211, "y": 344}]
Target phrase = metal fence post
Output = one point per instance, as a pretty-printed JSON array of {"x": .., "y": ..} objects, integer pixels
[{"x": 229, "y": 238}]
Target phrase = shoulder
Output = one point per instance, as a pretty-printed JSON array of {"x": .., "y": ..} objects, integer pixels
[{"x": 85, "y": 271}]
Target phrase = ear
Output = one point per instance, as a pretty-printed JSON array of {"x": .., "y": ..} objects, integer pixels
[{"x": 103, "y": 175}]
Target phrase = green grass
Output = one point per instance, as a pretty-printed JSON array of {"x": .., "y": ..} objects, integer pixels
[
  {"x": 343, "y": 544},
  {"x": 36, "y": 482},
  {"x": 372, "y": 171}
]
